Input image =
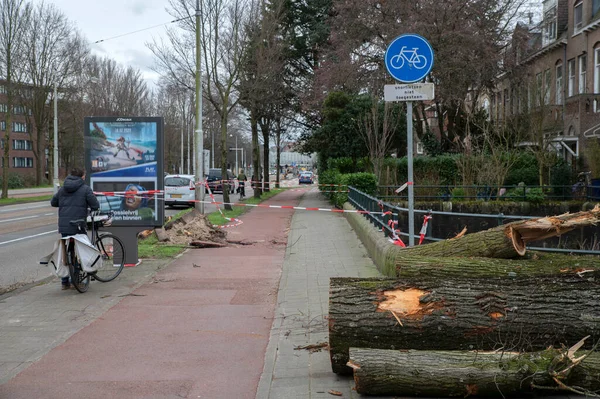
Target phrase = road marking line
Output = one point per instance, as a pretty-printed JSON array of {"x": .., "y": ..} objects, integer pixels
[
  {"x": 25, "y": 217},
  {"x": 23, "y": 209},
  {"x": 33, "y": 236}
]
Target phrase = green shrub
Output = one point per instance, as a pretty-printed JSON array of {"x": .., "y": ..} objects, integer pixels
[
  {"x": 535, "y": 195},
  {"x": 458, "y": 193},
  {"x": 561, "y": 175},
  {"x": 365, "y": 182},
  {"x": 343, "y": 165},
  {"x": 14, "y": 181},
  {"x": 525, "y": 169}
]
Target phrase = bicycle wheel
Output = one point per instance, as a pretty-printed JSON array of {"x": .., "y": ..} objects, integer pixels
[
  {"x": 420, "y": 61},
  {"x": 397, "y": 61},
  {"x": 79, "y": 278},
  {"x": 112, "y": 254}
]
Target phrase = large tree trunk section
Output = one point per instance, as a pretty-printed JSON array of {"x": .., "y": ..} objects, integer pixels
[
  {"x": 506, "y": 241},
  {"x": 463, "y": 374},
  {"x": 536, "y": 264},
  {"x": 460, "y": 314}
]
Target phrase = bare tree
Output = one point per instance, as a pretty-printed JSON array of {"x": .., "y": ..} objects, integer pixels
[
  {"x": 377, "y": 133},
  {"x": 263, "y": 88},
  {"x": 14, "y": 18},
  {"x": 466, "y": 38},
  {"x": 222, "y": 44},
  {"x": 54, "y": 50}
]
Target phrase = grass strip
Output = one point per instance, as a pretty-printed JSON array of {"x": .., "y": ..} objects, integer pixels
[
  {"x": 218, "y": 220},
  {"x": 151, "y": 248},
  {"x": 24, "y": 200}
]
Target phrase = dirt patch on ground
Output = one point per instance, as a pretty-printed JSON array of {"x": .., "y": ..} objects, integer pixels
[{"x": 192, "y": 226}]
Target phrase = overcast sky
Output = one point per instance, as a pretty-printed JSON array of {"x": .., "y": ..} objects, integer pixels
[{"x": 103, "y": 19}]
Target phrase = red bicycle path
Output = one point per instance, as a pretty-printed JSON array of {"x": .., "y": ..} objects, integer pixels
[{"x": 199, "y": 329}]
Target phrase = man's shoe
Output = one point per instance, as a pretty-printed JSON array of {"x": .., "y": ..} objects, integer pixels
[{"x": 65, "y": 287}]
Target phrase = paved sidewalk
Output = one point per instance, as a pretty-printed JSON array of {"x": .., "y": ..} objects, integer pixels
[
  {"x": 320, "y": 245},
  {"x": 198, "y": 328}
]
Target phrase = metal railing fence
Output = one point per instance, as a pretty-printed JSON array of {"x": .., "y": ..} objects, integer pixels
[
  {"x": 376, "y": 208},
  {"x": 487, "y": 193}
]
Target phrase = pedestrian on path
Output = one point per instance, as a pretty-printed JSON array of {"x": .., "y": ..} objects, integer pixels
[{"x": 73, "y": 200}]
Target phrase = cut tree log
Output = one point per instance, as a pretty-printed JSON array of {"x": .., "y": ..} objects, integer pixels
[
  {"x": 507, "y": 241},
  {"x": 206, "y": 244},
  {"x": 463, "y": 374},
  {"x": 534, "y": 264},
  {"x": 522, "y": 314}
]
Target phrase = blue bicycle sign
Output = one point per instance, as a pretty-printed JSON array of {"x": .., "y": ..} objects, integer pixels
[{"x": 409, "y": 58}]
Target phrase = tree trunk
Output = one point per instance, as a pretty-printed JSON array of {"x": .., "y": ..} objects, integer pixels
[
  {"x": 460, "y": 314},
  {"x": 463, "y": 374},
  {"x": 255, "y": 154},
  {"x": 507, "y": 241},
  {"x": 535, "y": 264}
]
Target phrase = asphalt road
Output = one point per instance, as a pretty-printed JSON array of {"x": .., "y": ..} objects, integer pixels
[{"x": 28, "y": 232}]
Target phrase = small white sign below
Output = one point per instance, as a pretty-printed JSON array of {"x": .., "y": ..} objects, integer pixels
[{"x": 409, "y": 92}]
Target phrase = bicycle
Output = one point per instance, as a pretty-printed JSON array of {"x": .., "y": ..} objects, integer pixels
[
  {"x": 414, "y": 60},
  {"x": 110, "y": 247}
]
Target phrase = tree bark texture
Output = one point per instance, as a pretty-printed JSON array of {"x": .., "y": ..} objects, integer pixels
[
  {"x": 522, "y": 314},
  {"x": 535, "y": 264},
  {"x": 466, "y": 373},
  {"x": 507, "y": 241}
]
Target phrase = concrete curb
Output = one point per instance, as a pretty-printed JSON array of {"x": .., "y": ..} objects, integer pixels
[{"x": 378, "y": 246}]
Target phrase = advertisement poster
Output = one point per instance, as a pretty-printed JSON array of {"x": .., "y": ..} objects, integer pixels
[{"x": 124, "y": 158}]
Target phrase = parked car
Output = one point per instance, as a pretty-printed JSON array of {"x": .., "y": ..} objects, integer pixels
[
  {"x": 215, "y": 183},
  {"x": 306, "y": 178},
  {"x": 179, "y": 190}
]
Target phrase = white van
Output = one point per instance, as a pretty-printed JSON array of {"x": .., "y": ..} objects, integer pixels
[{"x": 179, "y": 190}]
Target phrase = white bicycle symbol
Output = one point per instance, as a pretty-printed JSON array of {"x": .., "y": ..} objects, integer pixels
[{"x": 414, "y": 60}]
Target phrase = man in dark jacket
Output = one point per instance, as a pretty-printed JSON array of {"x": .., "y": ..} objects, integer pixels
[{"x": 72, "y": 201}]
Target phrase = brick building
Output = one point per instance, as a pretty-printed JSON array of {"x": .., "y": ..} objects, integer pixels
[
  {"x": 21, "y": 158},
  {"x": 552, "y": 71}
]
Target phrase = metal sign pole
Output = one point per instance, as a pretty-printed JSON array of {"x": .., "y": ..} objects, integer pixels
[{"x": 409, "y": 151}]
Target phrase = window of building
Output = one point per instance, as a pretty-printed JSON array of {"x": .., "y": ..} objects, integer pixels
[
  {"x": 2, "y": 125},
  {"x": 538, "y": 89},
  {"x": 19, "y": 127},
  {"x": 547, "y": 84},
  {"x": 571, "y": 83},
  {"x": 549, "y": 26},
  {"x": 1, "y": 143},
  {"x": 22, "y": 145},
  {"x": 578, "y": 17},
  {"x": 559, "y": 84},
  {"x": 582, "y": 73},
  {"x": 19, "y": 110},
  {"x": 2, "y": 89},
  {"x": 595, "y": 7},
  {"x": 22, "y": 162},
  {"x": 4, "y": 108},
  {"x": 420, "y": 148},
  {"x": 597, "y": 70}
]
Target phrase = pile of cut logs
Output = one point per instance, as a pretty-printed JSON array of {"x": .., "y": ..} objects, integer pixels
[{"x": 477, "y": 315}]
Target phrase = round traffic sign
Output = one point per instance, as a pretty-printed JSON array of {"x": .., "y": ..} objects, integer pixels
[{"x": 409, "y": 58}]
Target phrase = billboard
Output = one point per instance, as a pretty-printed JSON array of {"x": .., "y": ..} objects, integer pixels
[{"x": 123, "y": 157}]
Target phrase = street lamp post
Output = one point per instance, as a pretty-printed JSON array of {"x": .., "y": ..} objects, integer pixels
[
  {"x": 55, "y": 182},
  {"x": 236, "y": 156}
]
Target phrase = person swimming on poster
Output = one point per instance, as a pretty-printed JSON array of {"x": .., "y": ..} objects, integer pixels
[
  {"x": 123, "y": 145},
  {"x": 134, "y": 203}
]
